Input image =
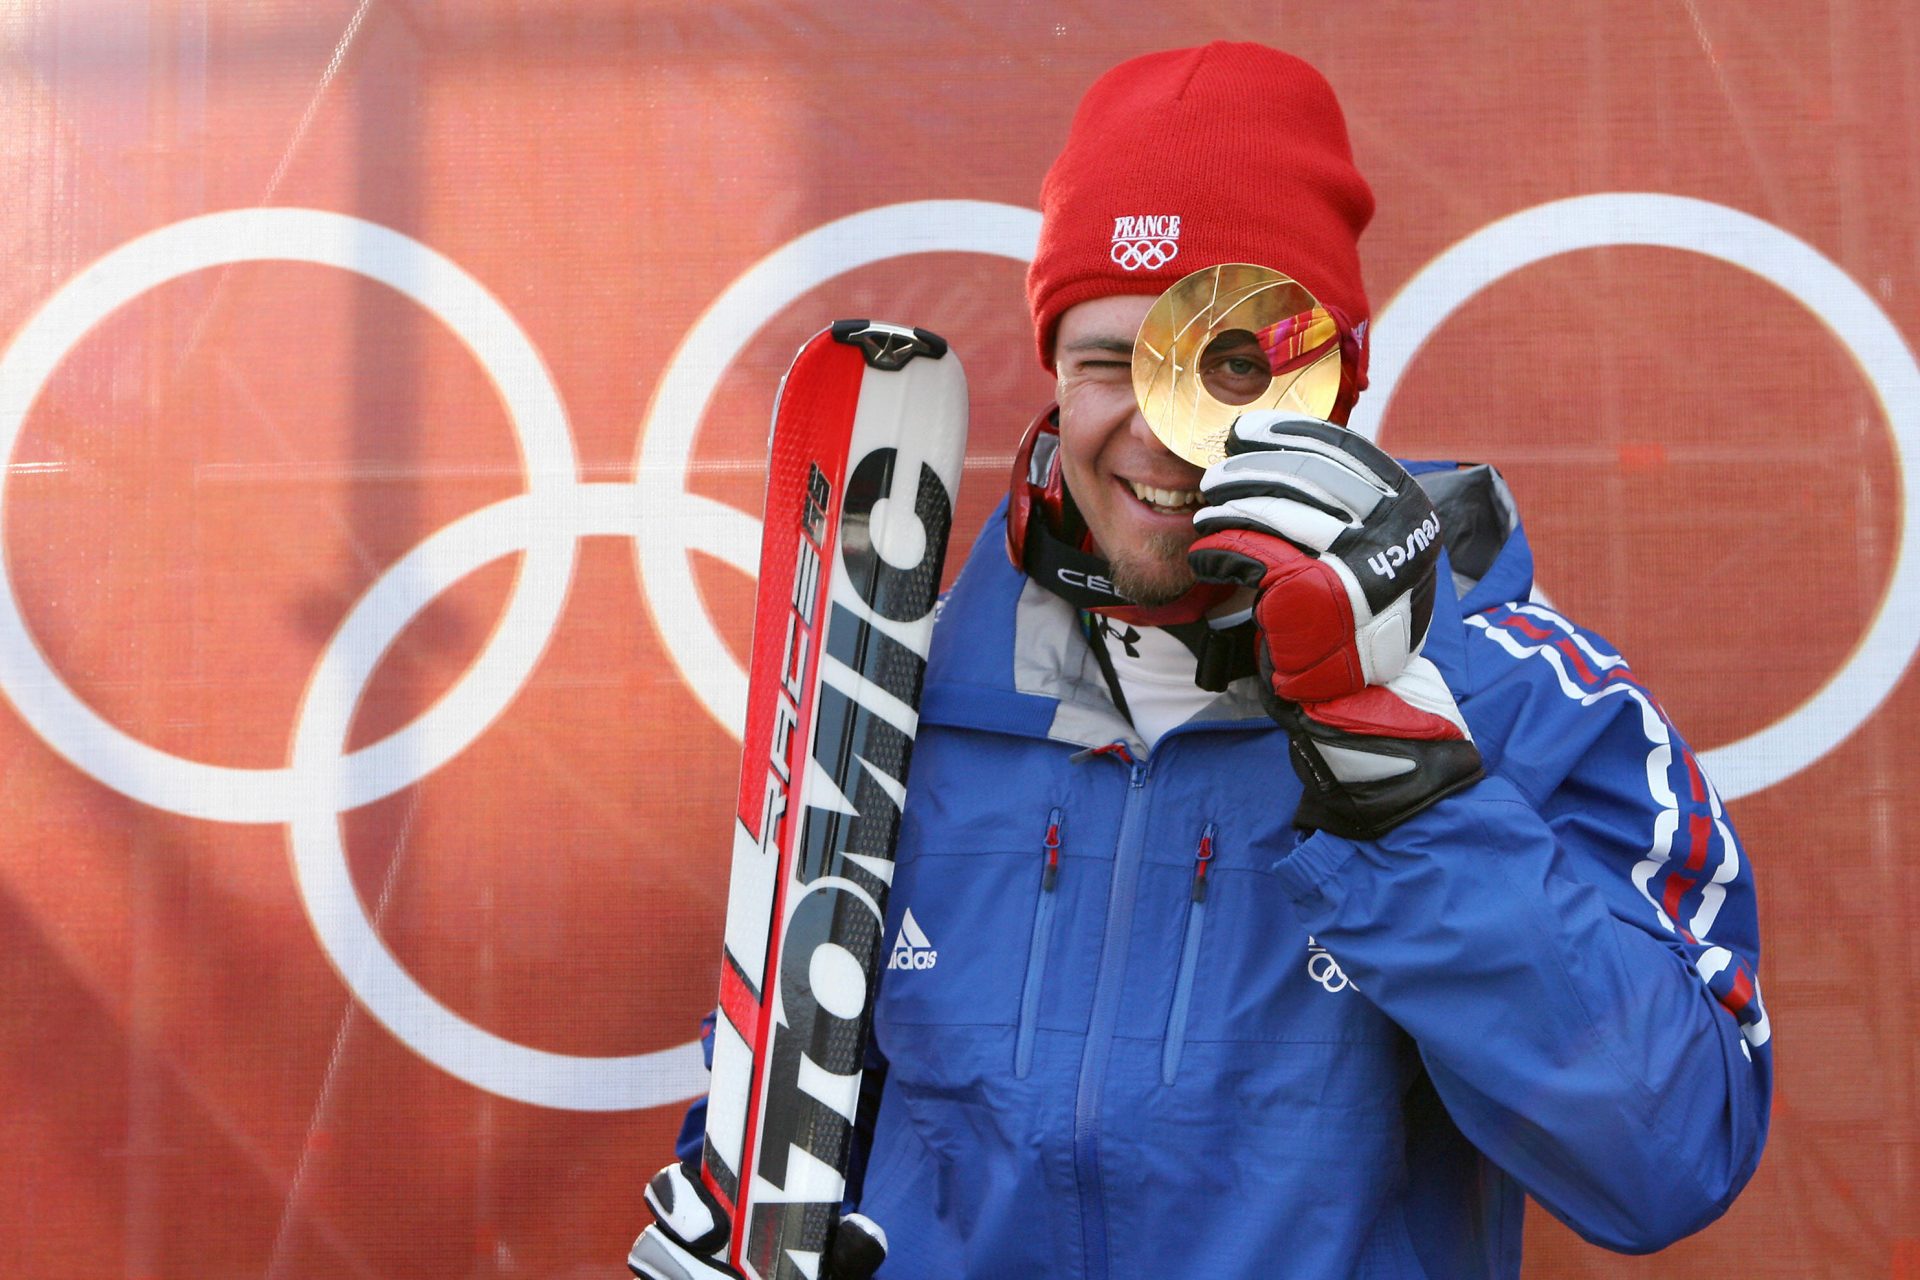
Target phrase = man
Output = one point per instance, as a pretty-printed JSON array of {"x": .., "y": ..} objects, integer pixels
[{"x": 1320, "y": 975}]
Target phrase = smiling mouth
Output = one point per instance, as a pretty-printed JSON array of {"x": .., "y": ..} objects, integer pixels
[{"x": 1166, "y": 501}]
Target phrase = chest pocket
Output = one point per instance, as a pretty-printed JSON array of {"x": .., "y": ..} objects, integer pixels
[
  {"x": 995, "y": 876},
  {"x": 1255, "y": 1000}
]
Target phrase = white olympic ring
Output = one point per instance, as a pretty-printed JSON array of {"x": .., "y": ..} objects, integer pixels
[
  {"x": 692, "y": 375},
  {"x": 1878, "y": 661},
  {"x": 388, "y": 991},
  {"x": 220, "y": 793},
  {"x": 1134, "y": 255},
  {"x": 321, "y": 783}
]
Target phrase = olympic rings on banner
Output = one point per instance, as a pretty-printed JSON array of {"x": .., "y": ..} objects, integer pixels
[
  {"x": 322, "y": 783},
  {"x": 545, "y": 523},
  {"x": 665, "y": 520},
  {"x": 224, "y": 794},
  {"x": 1854, "y": 693}
]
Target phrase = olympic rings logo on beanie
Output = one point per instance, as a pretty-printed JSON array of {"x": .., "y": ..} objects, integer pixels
[
  {"x": 1196, "y": 157},
  {"x": 1149, "y": 242}
]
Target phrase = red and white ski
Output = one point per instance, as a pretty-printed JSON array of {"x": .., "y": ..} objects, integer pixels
[{"x": 868, "y": 437}]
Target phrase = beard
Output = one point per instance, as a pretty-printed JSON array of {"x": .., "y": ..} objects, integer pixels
[{"x": 1156, "y": 571}]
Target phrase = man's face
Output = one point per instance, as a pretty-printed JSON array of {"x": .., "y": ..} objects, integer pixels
[{"x": 1137, "y": 497}]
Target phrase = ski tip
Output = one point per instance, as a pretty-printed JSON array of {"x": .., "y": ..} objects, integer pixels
[{"x": 889, "y": 346}]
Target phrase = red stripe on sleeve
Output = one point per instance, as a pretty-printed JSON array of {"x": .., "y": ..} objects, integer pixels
[
  {"x": 1517, "y": 623},
  {"x": 1699, "y": 834},
  {"x": 1573, "y": 656},
  {"x": 1677, "y": 886},
  {"x": 1694, "y": 780},
  {"x": 1740, "y": 994}
]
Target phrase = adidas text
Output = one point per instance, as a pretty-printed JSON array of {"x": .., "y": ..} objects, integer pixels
[{"x": 911, "y": 949}]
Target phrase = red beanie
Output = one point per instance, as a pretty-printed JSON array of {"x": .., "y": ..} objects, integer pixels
[{"x": 1195, "y": 157}]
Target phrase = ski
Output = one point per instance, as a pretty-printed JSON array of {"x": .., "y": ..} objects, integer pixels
[{"x": 868, "y": 435}]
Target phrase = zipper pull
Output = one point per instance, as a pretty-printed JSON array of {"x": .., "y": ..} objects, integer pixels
[
  {"x": 1053, "y": 852},
  {"x": 1201, "y": 858},
  {"x": 1116, "y": 748}
]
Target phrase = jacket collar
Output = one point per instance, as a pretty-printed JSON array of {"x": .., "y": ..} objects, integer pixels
[{"x": 1010, "y": 656}]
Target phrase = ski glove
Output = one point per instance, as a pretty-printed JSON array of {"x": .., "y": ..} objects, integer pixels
[
  {"x": 1341, "y": 548},
  {"x": 688, "y": 1238}
]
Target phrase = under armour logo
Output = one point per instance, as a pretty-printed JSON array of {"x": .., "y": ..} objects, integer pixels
[
  {"x": 1129, "y": 638},
  {"x": 911, "y": 950},
  {"x": 1145, "y": 243}
]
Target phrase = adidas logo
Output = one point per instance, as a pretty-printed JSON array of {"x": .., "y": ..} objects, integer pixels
[{"x": 911, "y": 950}]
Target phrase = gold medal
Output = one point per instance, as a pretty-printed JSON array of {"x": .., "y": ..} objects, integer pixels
[{"x": 1227, "y": 340}]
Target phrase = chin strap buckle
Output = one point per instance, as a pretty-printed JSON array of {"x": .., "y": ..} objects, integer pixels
[{"x": 1225, "y": 654}]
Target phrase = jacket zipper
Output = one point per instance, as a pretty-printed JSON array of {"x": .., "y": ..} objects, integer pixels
[
  {"x": 1106, "y": 1013},
  {"x": 1176, "y": 1039},
  {"x": 1037, "y": 949}
]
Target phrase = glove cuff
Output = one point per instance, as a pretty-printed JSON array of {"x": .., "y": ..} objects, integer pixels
[
  {"x": 1368, "y": 809},
  {"x": 658, "y": 1256},
  {"x": 686, "y": 1210}
]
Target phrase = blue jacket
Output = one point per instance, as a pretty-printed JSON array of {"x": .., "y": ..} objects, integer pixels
[{"x": 1207, "y": 1046}]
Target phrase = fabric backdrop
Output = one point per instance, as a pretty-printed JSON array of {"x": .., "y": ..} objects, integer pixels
[{"x": 384, "y": 397}]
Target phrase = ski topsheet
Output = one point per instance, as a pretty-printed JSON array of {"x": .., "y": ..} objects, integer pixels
[{"x": 868, "y": 436}]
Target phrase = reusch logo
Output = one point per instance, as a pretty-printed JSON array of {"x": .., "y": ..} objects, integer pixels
[
  {"x": 911, "y": 950},
  {"x": 1145, "y": 242},
  {"x": 1398, "y": 554}
]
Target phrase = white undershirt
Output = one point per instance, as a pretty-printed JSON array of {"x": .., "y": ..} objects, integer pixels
[{"x": 1155, "y": 673}]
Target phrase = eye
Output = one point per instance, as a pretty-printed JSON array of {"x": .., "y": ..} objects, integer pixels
[
  {"x": 1234, "y": 368},
  {"x": 1102, "y": 369}
]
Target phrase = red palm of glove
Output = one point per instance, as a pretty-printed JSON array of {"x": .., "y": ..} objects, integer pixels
[
  {"x": 1301, "y": 609},
  {"x": 1378, "y": 711}
]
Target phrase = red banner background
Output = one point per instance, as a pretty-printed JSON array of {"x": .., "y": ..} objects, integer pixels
[{"x": 212, "y": 477}]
